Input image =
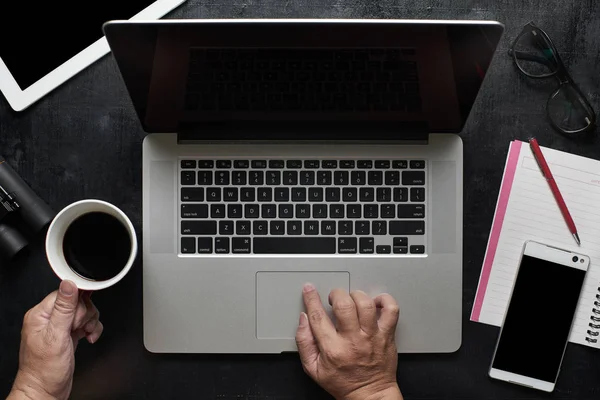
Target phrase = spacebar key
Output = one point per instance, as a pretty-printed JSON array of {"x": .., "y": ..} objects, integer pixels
[{"x": 288, "y": 245}]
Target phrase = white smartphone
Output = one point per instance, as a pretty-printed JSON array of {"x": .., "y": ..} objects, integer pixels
[{"x": 530, "y": 348}]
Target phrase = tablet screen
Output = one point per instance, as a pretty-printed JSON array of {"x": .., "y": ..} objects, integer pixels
[{"x": 37, "y": 37}]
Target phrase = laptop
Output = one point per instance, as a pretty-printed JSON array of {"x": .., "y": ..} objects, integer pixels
[{"x": 281, "y": 152}]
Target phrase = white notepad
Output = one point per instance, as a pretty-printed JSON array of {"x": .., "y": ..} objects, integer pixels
[{"x": 526, "y": 210}]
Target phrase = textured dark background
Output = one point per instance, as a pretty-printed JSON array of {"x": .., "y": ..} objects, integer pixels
[{"x": 84, "y": 141}]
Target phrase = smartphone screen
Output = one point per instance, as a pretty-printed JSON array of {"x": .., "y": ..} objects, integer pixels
[{"x": 538, "y": 319}]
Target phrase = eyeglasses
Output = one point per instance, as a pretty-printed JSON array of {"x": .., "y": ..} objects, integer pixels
[{"x": 536, "y": 56}]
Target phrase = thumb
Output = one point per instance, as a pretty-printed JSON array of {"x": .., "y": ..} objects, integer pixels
[
  {"x": 307, "y": 346},
  {"x": 65, "y": 306}
]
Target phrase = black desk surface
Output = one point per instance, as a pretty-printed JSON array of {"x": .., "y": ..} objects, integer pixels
[{"x": 84, "y": 141}]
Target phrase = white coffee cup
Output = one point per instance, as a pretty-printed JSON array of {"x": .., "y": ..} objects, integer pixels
[{"x": 56, "y": 234}]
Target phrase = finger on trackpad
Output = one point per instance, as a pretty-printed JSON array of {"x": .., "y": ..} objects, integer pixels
[{"x": 279, "y": 299}]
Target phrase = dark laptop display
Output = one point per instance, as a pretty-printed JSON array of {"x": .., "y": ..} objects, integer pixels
[{"x": 402, "y": 75}]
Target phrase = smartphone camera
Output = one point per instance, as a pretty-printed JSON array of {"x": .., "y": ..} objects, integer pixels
[{"x": 575, "y": 258}]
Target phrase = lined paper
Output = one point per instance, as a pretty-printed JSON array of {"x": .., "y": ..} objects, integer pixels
[{"x": 526, "y": 210}]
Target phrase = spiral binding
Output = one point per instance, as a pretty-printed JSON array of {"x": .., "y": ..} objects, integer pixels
[{"x": 594, "y": 325}]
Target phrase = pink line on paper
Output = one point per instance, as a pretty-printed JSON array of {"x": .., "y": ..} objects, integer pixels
[{"x": 505, "y": 189}]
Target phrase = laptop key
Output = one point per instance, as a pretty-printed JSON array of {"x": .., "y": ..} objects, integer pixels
[
  {"x": 353, "y": 211},
  {"x": 347, "y": 164},
  {"x": 358, "y": 178},
  {"x": 286, "y": 211},
  {"x": 329, "y": 164},
  {"x": 251, "y": 210},
  {"x": 341, "y": 178},
  {"x": 327, "y": 227},
  {"x": 276, "y": 164},
  {"x": 269, "y": 211},
  {"x": 320, "y": 211},
  {"x": 187, "y": 164},
  {"x": 290, "y": 178},
  {"x": 256, "y": 178},
  {"x": 384, "y": 194},
  {"x": 217, "y": 210},
  {"x": 282, "y": 194},
  {"x": 188, "y": 245},
  {"x": 383, "y": 249},
  {"x": 238, "y": 178},
  {"x": 417, "y": 249},
  {"x": 205, "y": 178},
  {"x": 258, "y": 164},
  {"x": 240, "y": 245},
  {"x": 367, "y": 194},
  {"x": 294, "y": 245},
  {"x": 400, "y": 250},
  {"x": 222, "y": 245},
  {"x": 324, "y": 178},
  {"x": 417, "y": 194},
  {"x": 206, "y": 164},
  {"x": 265, "y": 194},
  {"x": 241, "y": 164},
  {"x": 276, "y": 228},
  {"x": 388, "y": 211},
  {"x": 367, "y": 245},
  {"x": 234, "y": 211},
  {"x": 379, "y": 228},
  {"x": 242, "y": 227},
  {"x": 382, "y": 164},
  {"x": 411, "y": 211},
  {"x": 222, "y": 178},
  {"x": 294, "y": 228},
  {"x": 194, "y": 211},
  {"x": 392, "y": 178},
  {"x": 375, "y": 178},
  {"x": 247, "y": 194},
  {"x": 413, "y": 178},
  {"x": 364, "y": 164},
  {"x": 205, "y": 245},
  {"x": 294, "y": 164},
  {"x": 362, "y": 228},
  {"x": 192, "y": 194},
  {"x": 223, "y": 163},
  {"x": 298, "y": 194},
  {"x": 332, "y": 194},
  {"x": 230, "y": 194},
  {"x": 347, "y": 245},
  {"x": 315, "y": 194},
  {"x": 198, "y": 227},
  {"x": 417, "y": 164},
  {"x": 260, "y": 227},
  {"x": 400, "y": 195},
  {"x": 349, "y": 194},
  {"x": 336, "y": 211},
  {"x": 407, "y": 227},
  {"x": 225, "y": 227},
  {"x": 312, "y": 164},
  {"x": 188, "y": 178},
  {"x": 345, "y": 227},
  {"x": 273, "y": 178},
  {"x": 307, "y": 178}
]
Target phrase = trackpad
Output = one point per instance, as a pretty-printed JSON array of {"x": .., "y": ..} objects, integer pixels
[{"x": 279, "y": 299}]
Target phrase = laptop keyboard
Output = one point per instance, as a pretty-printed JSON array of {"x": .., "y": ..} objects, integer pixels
[
  {"x": 281, "y": 206},
  {"x": 382, "y": 79}
]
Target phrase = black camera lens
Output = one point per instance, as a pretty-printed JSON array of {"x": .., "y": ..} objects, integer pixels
[{"x": 575, "y": 258}]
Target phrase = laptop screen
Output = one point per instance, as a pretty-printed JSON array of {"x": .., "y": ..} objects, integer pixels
[{"x": 408, "y": 75}]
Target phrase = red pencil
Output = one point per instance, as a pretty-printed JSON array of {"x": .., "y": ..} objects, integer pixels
[{"x": 537, "y": 152}]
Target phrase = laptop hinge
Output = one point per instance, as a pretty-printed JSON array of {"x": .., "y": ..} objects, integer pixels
[{"x": 305, "y": 132}]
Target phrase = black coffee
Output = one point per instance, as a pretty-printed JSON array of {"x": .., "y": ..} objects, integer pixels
[{"x": 97, "y": 246}]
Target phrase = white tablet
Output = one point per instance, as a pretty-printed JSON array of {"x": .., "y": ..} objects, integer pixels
[{"x": 45, "y": 43}]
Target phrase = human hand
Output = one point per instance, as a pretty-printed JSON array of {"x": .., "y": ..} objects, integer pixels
[
  {"x": 357, "y": 358},
  {"x": 49, "y": 337}
]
